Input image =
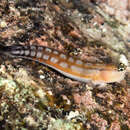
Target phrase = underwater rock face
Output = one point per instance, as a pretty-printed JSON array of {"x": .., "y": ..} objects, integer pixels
[{"x": 34, "y": 96}]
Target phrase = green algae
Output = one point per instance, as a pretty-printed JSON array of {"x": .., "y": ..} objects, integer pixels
[
  {"x": 61, "y": 124},
  {"x": 29, "y": 108}
]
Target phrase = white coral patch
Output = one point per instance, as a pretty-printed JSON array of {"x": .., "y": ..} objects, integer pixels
[{"x": 123, "y": 59}]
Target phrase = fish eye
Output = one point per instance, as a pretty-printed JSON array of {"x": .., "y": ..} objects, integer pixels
[{"x": 121, "y": 67}]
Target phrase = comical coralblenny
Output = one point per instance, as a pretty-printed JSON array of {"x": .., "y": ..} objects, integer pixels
[{"x": 67, "y": 65}]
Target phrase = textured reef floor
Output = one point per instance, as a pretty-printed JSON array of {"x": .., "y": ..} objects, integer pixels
[{"x": 33, "y": 96}]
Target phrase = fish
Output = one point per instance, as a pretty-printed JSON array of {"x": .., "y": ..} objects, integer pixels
[{"x": 71, "y": 67}]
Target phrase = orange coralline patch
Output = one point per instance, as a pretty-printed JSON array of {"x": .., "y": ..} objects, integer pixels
[
  {"x": 98, "y": 19},
  {"x": 99, "y": 121},
  {"x": 57, "y": 8},
  {"x": 85, "y": 100},
  {"x": 115, "y": 125},
  {"x": 10, "y": 32},
  {"x": 40, "y": 41},
  {"x": 74, "y": 33}
]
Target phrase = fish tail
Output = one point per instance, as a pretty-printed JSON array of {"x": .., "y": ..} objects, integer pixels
[
  {"x": 3, "y": 48},
  {"x": 8, "y": 50}
]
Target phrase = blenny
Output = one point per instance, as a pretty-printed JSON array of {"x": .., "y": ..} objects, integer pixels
[{"x": 67, "y": 65}]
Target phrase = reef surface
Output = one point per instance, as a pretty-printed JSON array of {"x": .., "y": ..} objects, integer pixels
[{"x": 33, "y": 96}]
